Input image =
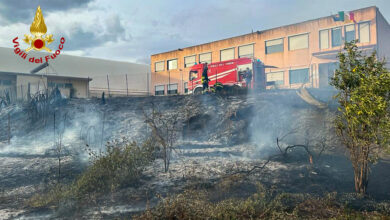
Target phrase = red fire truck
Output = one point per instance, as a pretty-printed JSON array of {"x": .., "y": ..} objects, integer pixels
[{"x": 228, "y": 73}]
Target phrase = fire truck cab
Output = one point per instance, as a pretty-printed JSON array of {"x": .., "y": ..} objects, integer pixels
[{"x": 228, "y": 73}]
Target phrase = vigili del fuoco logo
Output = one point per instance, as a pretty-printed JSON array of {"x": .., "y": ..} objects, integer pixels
[{"x": 38, "y": 41}]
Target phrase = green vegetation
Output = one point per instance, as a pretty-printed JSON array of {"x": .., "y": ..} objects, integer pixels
[
  {"x": 265, "y": 204},
  {"x": 363, "y": 122},
  {"x": 117, "y": 167}
]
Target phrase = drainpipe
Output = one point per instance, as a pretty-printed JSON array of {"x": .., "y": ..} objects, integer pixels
[{"x": 182, "y": 82}]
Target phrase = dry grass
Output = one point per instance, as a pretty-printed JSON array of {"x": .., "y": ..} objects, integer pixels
[
  {"x": 117, "y": 167},
  {"x": 265, "y": 204}
]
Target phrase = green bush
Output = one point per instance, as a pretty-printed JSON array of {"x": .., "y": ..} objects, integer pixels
[{"x": 118, "y": 166}]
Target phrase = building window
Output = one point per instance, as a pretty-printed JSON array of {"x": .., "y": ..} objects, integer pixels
[
  {"x": 274, "y": 46},
  {"x": 350, "y": 33},
  {"x": 172, "y": 89},
  {"x": 299, "y": 76},
  {"x": 275, "y": 78},
  {"x": 246, "y": 51},
  {"x": 159, "y": 90},
  {"x": 189, "y": 61},
  {"x": 364, "y": 32},
  {"x": 186, "y": 87},
  {"x": 324, "y": 39},
  {"x": 298, "y": 42},
  {"x": 6, "y": 82},
  {"x": 227, "y": 54},
  {"x": 205, "y": 58},
  {"x": 326, "y": 71},
  {"x": 172, "y": 64},
  {"x": 159, "y": 66},
  {"x": 336, "y": 37},
  {"x": 68, "y": 85}
]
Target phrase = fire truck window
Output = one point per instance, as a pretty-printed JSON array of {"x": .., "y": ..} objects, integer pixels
[
  {"x": 243, "y": 67},
  {"x": 193, "y": 75}
]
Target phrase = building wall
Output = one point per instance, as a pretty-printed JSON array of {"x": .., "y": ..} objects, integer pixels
[
  {"x": 285, "y": 61},
  {"x": 8, "y": 85},
  {"x": 80, "y": 86},
  {"x": 22, "y": 83},
  {"x": 36, "y": 83},
  {"x": 383, "y": 38}
]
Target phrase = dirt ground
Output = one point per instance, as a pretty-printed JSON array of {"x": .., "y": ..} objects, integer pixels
[{"x": 224, "y": 136}]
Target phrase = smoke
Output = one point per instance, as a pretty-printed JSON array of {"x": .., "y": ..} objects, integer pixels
[
  {"x": 284, "y": 116},
  {"x": 72, "y": 128},
  {"x": 255, "y": 120}
]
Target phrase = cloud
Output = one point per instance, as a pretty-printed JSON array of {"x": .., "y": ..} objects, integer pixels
[
  {"x": 24, "y": 10},
  {"x": 86, "y": 35},
  {"x": 133, "y": 30}
]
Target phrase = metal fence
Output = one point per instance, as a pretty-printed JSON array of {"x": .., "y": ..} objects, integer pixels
[{"x": 120, "y": 85}]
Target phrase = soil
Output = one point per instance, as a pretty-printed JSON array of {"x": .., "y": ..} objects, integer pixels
[{"x": 221, "y": 136}]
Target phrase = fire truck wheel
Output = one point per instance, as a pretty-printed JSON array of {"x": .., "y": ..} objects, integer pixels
[
  {"x": 198, "y": 91},
  {"x": 236, "y": 89}
]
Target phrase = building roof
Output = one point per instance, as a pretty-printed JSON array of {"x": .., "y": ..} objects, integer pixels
[
  {"x": 262, "y": 31},
  {"x": 40, "y": 74},
  {"x": 79, "y": 67}
]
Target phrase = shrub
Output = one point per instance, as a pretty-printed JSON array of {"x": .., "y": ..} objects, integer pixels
[{"x": 119, "y": 166}]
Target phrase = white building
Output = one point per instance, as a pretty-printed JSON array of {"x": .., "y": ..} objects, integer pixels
[{"x": 114, "y": 77}]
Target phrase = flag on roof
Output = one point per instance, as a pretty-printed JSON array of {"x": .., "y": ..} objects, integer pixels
[
  {"x": 339, "y": 16},
  {"x": 351, "y": 17}
]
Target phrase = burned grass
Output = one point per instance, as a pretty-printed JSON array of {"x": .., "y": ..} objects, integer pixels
[{"x": 264, "y": 204}]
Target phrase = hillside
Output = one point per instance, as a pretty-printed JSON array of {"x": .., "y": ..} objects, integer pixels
[{"x": 218, "y": 137}]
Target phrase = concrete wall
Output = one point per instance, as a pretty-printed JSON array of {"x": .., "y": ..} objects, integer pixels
[
  {"x": 80, "y": 86},
  {"x": 383, "y": 47},
  {"x": 22, "y": 82},
  {"x": 37, "y": 83},
  {"x": 285, "y": 61},
  {"x": 10, "y": 89}
]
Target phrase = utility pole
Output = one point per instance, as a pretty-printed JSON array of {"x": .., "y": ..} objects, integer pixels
[
  {"x": 108, "y": 86},
  {"x": 127, "y": 87}
]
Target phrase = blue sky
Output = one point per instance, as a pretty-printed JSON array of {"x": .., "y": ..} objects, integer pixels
[{"x": 133, "y": 30}]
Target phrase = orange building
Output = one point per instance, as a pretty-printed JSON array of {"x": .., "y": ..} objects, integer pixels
[{"x": 304, "y": 53}]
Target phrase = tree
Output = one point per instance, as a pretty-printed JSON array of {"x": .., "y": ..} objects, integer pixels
[
  {"x": 165, "y": 128},
  {"x": 363, "y": 122}
]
